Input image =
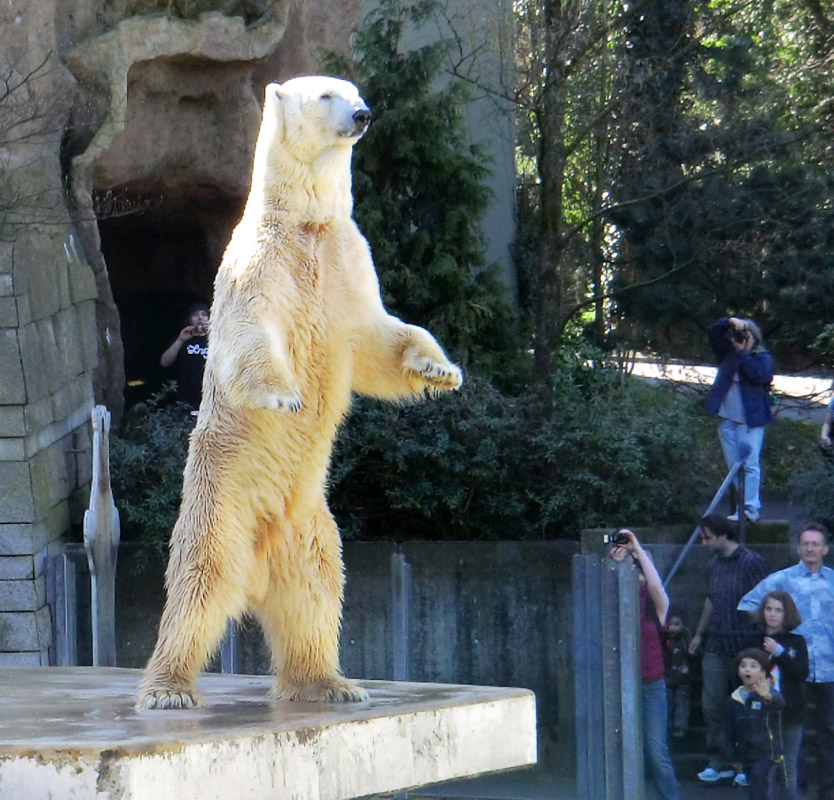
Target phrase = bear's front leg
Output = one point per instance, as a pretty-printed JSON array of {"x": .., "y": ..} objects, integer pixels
[{"x": 254, "y": 369}]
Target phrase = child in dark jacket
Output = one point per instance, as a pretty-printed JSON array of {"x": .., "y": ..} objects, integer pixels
[
  {"x": 676, "y": 640},
  {"x": 754, "y": 724},
  {"x": 788, "y": 665}
]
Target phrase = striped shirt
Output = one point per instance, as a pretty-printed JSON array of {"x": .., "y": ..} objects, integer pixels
[
  {"x": 813, "y": 593},
  {"x": 730, "y": 577}
]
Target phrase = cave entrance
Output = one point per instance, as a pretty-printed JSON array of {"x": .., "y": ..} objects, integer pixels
[{"x": 160, "y": 260}]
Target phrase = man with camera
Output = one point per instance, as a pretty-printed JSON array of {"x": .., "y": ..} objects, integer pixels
[
  {"x": 740, "y": 398},
  {"x": 189, "y": 352}
]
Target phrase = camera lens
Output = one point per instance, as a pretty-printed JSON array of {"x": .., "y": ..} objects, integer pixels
[{"x": 616, "y": 538}]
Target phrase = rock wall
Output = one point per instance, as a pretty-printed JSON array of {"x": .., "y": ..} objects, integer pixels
[{"x": 120, "y": 121}]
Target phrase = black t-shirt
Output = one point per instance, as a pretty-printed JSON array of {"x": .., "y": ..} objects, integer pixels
[{"x": 191, "y": 363}]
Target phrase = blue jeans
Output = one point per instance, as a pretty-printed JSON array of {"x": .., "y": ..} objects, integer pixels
[
  {"x": 736, "y": 438},
  {"x": 654, "y": 739}
]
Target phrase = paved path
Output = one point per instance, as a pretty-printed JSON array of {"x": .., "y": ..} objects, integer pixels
[
  {"x": 800, "y": 396},
  {"x": 538, "y": 785}
]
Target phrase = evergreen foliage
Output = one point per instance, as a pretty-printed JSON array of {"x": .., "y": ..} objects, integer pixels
[
  {"x": 420, "y": 194},
  {"x": 726, "y": 201},
  {"x": 485, "y": 466},
  {"x": 147, "y": 461}
]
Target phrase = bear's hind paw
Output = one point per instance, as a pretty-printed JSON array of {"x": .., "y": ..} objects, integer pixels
[
  {"x": 333, "y": 690},
  {"x": 167, "y": 699}
]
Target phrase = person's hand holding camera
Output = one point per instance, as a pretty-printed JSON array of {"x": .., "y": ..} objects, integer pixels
[
  {"x": 740, "y": 336},
  {"x": 623, "y": 542},
  {"x": 190, "y": 331}
]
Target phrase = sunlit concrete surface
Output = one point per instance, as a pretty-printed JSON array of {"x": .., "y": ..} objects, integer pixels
[
  {"x": 73, "y": 734},
  {"x": 799, "y": 396}
]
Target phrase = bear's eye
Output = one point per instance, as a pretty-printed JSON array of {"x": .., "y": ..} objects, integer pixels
[{"x": 327, "y": 96}]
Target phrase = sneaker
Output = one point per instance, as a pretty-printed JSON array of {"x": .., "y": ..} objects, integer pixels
[
  {"x": 740, "y": 780},
  {"x": 749, "y": 515},
  {"x": 712, "y": 775},
  {"x": 678, "y": 733}
]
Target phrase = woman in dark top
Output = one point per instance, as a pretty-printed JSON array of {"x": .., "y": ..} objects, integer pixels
[{"x": 788, "y": 656}]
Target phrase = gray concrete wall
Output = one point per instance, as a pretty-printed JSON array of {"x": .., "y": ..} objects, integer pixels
[
  {"x": 47, "y": 330},
  {"x": 483, "y": 613}
]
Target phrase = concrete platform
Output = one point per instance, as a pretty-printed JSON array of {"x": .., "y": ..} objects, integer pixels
[{"x": 72, "y": 734}]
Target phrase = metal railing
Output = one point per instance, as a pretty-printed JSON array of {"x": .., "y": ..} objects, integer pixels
[{"x": 736, "y": 469}]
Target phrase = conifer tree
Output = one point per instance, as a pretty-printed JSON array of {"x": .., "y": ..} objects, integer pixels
[{"x": 420, "y": 193}]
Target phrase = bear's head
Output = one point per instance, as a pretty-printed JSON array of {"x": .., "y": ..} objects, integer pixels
[
  {"x": 302, "y": 158},
  {"x": 315, "y": 113}
]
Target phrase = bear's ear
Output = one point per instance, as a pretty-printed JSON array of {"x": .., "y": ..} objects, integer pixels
[{"x": 275, "y": 91}]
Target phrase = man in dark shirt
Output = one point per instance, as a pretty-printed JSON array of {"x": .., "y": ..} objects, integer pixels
[
  {"x": 189, "y": 352},
  {"x": 733, "y": 571}
]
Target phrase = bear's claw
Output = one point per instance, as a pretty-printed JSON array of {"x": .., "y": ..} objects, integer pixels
[
  {"x": 333, "y": 690},
  {"x": 165, "y": 699},
  {"x": 439, "y": 375},
  {"x": 283, "y": 402}
]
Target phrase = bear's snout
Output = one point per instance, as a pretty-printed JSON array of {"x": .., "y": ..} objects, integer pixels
[{"x": 361, "y": 120}]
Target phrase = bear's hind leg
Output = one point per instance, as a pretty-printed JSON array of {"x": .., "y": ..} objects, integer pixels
[
  {"x": 202, "y": 594},
  {"x": 301, "y": 613}
]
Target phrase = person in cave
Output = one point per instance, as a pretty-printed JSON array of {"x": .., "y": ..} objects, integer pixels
[{"x": 189, "y": 352}]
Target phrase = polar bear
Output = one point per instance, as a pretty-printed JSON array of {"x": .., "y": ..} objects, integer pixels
[{"x": 297, "y": 326}]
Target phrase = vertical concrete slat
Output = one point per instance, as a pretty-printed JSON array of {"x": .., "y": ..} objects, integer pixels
[
  {"x": 612, "y": 739},
  {"x": 61, "y": 597},
  {"x": 628, "y": 603},
  {"x": 230, "y": 649},
  {"x": 400, "y": 613},
  {"x": 582, "y": 668}
]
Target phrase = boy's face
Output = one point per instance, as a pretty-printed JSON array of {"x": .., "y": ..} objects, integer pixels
[
  {"x": 750, "y": 671},
  {"x": 675, "y": 625}
]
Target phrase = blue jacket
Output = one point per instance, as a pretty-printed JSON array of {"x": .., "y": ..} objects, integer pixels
[{"x": 755, "y": 373}]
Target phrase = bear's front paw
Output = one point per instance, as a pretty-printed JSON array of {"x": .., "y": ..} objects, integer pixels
[
  {"x": 285, "y": 401},
  {"x": 441, "y": 376},
  {"x": 329, "y": 690},
  {"x": 167, "y": 699}
]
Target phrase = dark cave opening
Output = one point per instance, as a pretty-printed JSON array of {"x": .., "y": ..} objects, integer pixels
[{"x": 160, "y": 260}]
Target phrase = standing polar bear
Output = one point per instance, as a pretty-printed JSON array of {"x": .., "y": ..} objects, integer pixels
[{"x": 297, "y": 325}]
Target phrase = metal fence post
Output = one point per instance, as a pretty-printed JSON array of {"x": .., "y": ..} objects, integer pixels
[{"x": 609, "y": 731}]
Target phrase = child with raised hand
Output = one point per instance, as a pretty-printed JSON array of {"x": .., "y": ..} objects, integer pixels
[{"x": 754, "y": 725}]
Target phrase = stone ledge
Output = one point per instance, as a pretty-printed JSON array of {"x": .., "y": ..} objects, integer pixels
[{"x": 73, "y": 733}]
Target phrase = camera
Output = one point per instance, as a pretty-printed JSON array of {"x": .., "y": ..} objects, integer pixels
[
  {"x": 616, "y": 538},
  {"x": 740, "y": 337}
]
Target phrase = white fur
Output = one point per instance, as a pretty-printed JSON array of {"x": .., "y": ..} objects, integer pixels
[{"x": 297, "y": 326}]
